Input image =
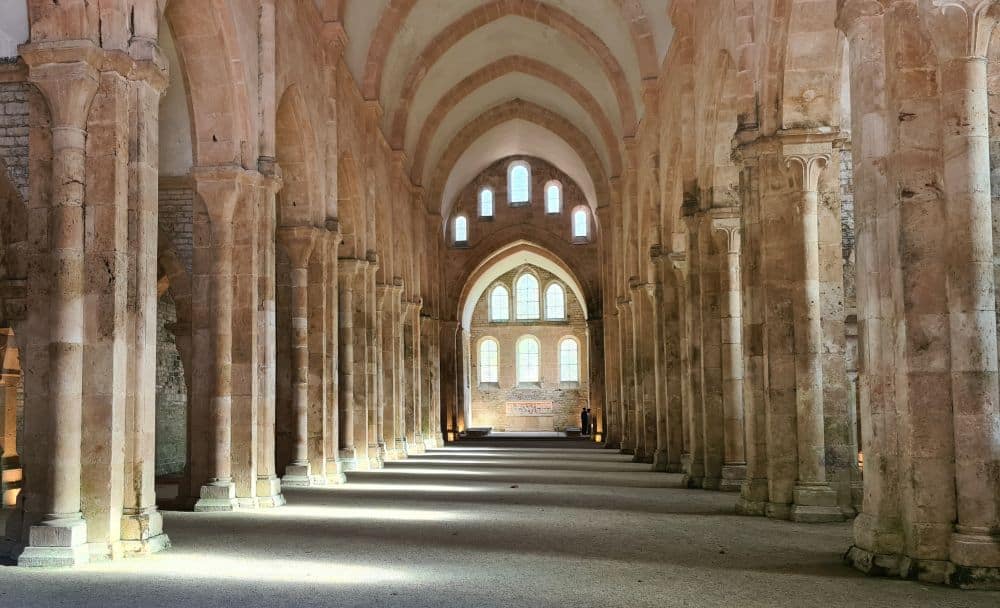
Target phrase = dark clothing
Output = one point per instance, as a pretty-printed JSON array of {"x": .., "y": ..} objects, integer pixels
[{"x": 584, "y": 422}]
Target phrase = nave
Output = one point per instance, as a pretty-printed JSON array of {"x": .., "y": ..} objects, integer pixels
[{"x": 482, "y": 524}]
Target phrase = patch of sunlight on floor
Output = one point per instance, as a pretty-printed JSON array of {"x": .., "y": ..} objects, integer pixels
[
  {"x": 211, "y": 567},
  {"x": 429, "y": 488},
  {"x": 292, "y": 512}
]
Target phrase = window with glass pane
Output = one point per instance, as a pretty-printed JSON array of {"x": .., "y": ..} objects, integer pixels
[
  {"x": 486, "y": 202},
  {"x": 569, "y": 361},
  {"x": 580, "y": 224},
  {"x": 461, "y": 229},
  {"x": 519, "y": 186},
  {"x": 527, "y": 297},
  {"x": 528, "y": 360},
  {"x": 500, "y": 304},
  {"x": 489, "y": 361},
  {"x": 555, "y": 302},
  {"x": 553, "y": 198}
]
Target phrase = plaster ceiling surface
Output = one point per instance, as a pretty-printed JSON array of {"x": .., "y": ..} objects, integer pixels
[
  {"x": 510, "y": 36},
  {"x": 528, "y": 88},
  {"x": 657, "y": 13},
  {"x": 176, "y": 150},
  {"x": 429, "y": 17},
  {"x": 516, "y": 137}
]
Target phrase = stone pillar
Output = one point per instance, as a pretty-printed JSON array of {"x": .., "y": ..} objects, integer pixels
[
  {"x": 704, "y": 256},
  {"x": 813, "y": 498},
  {"x": 612, "y": 372},
  {"x": 413, "y": 358},
  {"x": 219, "y": 189},
  {"x": 692, "y": 455},
  {"x": 319, "y": 376},
  {"x": 672, "y": 390},
  {"x": 754, "y": 492},
  {"x": 734, "y": 463},
  {"x": 348, "y": 271},
  {"x": 655, "y": 330},
  {"x": 644, "y": 372},
  {"x": 449, "y": 378},
  {"x": 383, "y": 366},
  {"x": 961, "y": 31},
  {"x": 334, "y": 466},
  {"x": 10, "y": 379},
  {"x": 397, "y": 371},
  {"x": 142, "y": 524},
  {"x": 268, "y": 485},
  {"x": 68, "y": 80},
  {"x": 298, "y": 243},
  {"x": 625, "y": 379}
]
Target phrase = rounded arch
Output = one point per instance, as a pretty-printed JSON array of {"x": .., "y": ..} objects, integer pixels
[
  {"x": 494, "y": 71},
  {"x": 499, "y": 303},
  {"x": 208, "y": 51},
  {"x": 503, "y": 261},
  {"x": 528, "y": 358},
  {"x": 580, "y": 223},
  {"x": 486, "y": 202},
  {"x": 569, "y": 356},
  {"x": 528, "y": 9},
  {"x": 527, "y": 295},
  {"x": 519, "y": 178},
  {"x": 554, "y": 310},
  {"x": 446, "y": 182},
  {"x": 553, "y": 194},
  {"x": 487, "y": 349},
  {"x": 296, "y": 151}
]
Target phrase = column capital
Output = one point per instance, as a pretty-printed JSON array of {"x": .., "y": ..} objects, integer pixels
[
  {"x": 728, "y": 227},
  {"x": 960, "y": 29},
  {"x": 347, "y": 268},
  {"x": 850, "y": 13},
  {"x": 220, "y": 187},
  {"x": 298, "y": 243},
  {"x": 66, "y": 73},
  {"x": 807, "y": 162}
]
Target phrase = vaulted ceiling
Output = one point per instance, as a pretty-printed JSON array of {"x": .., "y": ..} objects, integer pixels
[{"x": 465, "y": 82}]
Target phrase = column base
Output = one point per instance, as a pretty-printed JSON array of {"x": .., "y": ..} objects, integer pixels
[
  {"x": 335, "y": 472},
  {"x": 975, "y": 549},
  {"x": 142, "y": 533},
  {"x": 216, "y": 497},
  {"x": 348, "y": 458},
  {"x": 660, "y": 461},
  {"x": 58, "y": 543},
  {"x": 778, "y": 510},
  {"x": 418, "y": 445},
  {"x": 375, "y": 457},
  {"x": 732, "y": 477},
  {"x": 269, "y": 493},
  {"x": 297, "y": 476},
  {"x": 815, "y": 504},
  {"x": 753, "y": 497},
  {"x": 711, "y": 483}
]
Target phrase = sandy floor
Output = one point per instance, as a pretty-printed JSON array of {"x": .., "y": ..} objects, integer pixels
[{"x": 483, "y": 525}]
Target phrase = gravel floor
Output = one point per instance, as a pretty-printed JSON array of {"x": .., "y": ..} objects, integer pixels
[{"x": 488, "y": 524}]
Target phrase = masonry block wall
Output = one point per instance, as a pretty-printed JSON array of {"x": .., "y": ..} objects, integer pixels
[{"x": 568, "y": 398}]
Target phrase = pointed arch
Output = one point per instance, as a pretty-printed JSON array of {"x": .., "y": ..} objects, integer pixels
[{"x": 297, "y": 151}]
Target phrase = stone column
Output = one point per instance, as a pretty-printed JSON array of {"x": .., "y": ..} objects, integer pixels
[
  {"x": 10, "y": 378},
  {"x": 692, "y": 456},
  {"x": 59, "y": 539},
  {"x": 319, "y": 376},
  {"x": 813, "y": 498},
  {"x": 334, "y": 466},
  {"x": 672, "y": 389},
  {"x": 383, "y": 368},
  {"x": 142, "y": 524},
  {"x": 397, "y": 371},
  {"x": 961, "y": 31},
  {"x": 449, "y": 378},
  {"x": 705, "y": 258},
  {"x": 413, "y": 357},
  {"x": 625, "y": 408},
  {"x": 219, "y": 189},
  {"x": 371, "y": 326},
  {"x": 644, "y": 372},
  {"x": 298, "y": 242},
  {"x": 268, "y": 485},
  {"x": 347, "y": 270},
  {"x": 655, "y": 331},
  {"x": 734, "y": 463},
  {"x": 612, "y": 371}
]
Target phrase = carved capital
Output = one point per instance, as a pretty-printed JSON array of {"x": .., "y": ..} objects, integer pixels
[
  {"x": 851, "y": 13},
  {"x": 729, "y": 231},
  {"x": 960, "y": 28},
  {"x": 298, "y": 243},
  {"x": 220, "y": 187},
  {"x": 807, "y": 165},
  {"x": 347, "y": 269}
]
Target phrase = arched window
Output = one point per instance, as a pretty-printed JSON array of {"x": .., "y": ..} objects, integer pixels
[
  {"x": 555, "y": 302},
  {"x": 519, "y": 183},
  {"x": 528, "y": 360},
  {"x": 461, "y": 229},
  {"x": 569, "y": 360},
  {"x": 500, "y": 304},
  {"x": 581, "y": 224},
  {"x": 527, "y": 297},
  {"x": 553, "y": 197},
  {"x": 486, "y": 202},
  {"x": 489, "y": 361}
]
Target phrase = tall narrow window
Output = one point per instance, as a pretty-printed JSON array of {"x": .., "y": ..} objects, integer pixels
[
  {"x": 555, "y": 303},
  {"x": 528, "y": 360},
  {"x": 461, "y": 229},
  {"x": 489, "y": 361},
  {"x": 486, "y": 203},
  {"x": 519, "y": 183},
  {"x": 500, "y": 304},
  {"x": 569, "y": 361},
  {"x": 581, "y": 224},
  {"x": 553, "y": 197},
  {"x": 527, "y": 297}
]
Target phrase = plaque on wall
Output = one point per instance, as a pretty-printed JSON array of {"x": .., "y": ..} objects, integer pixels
[{"x": 530, "y": 408}]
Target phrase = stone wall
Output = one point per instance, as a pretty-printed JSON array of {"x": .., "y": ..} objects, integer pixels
[
  {"x": 171, "y": 394},
  {"x": 847, "y": 225},
  {"x": 176, "y": 208},
  {"x": 489, "y": 401},
  {"x": 14, "y": 133}
]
